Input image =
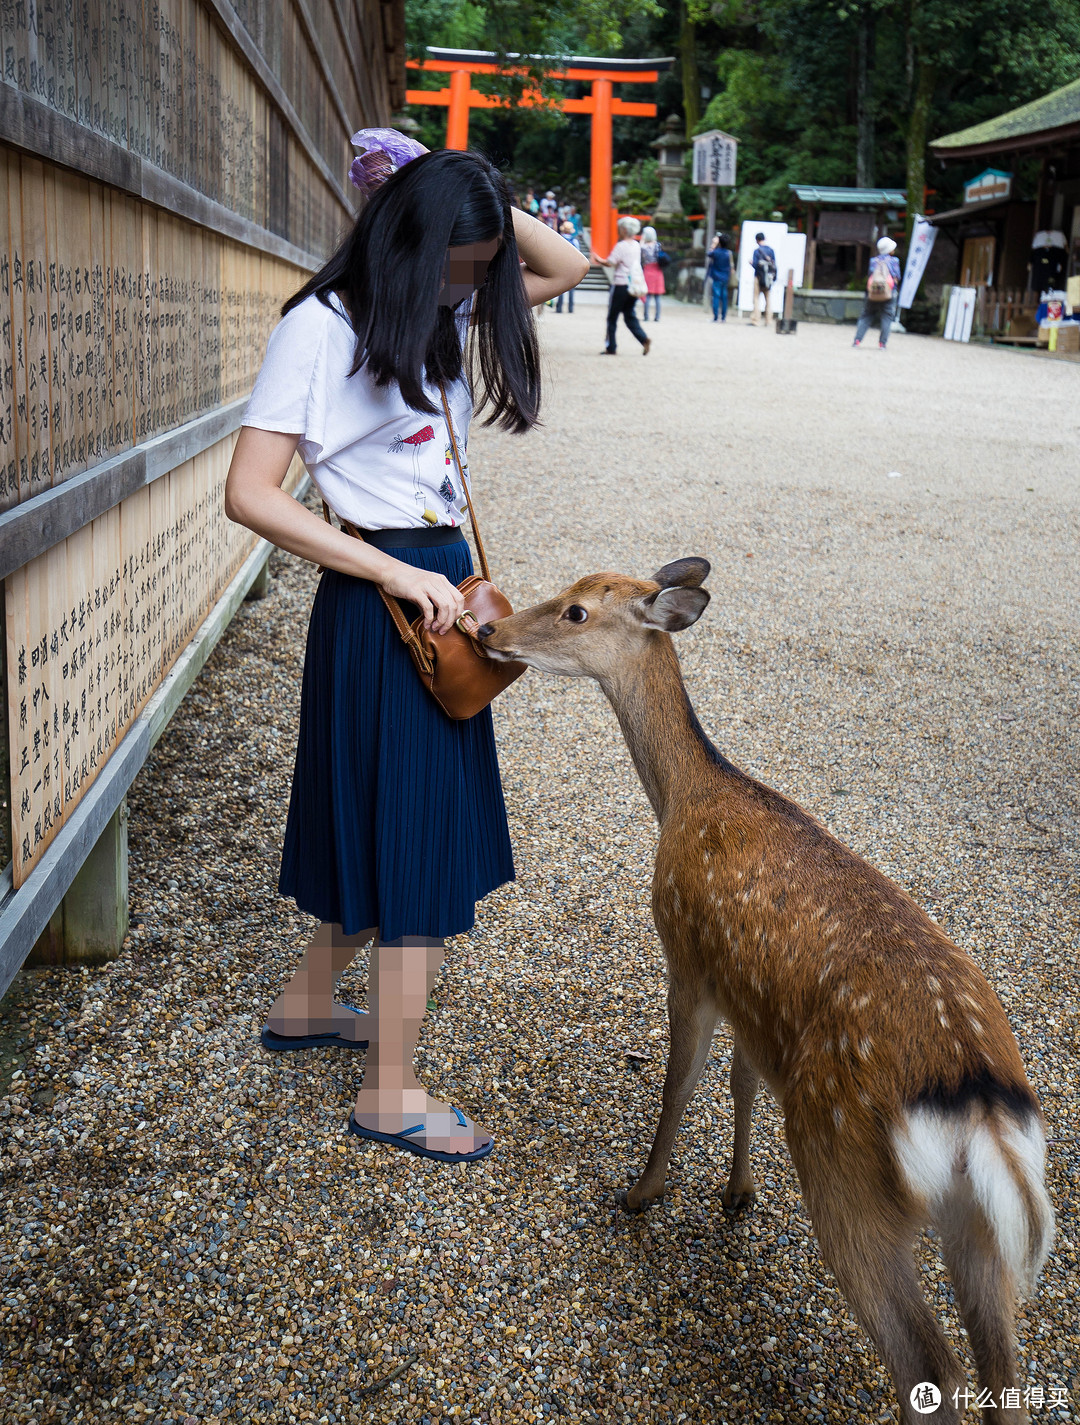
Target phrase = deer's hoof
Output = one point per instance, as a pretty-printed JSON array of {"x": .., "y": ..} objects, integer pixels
[
  {"x": 735, "y": 1201},
  {"x": 625, "y": 1199}
]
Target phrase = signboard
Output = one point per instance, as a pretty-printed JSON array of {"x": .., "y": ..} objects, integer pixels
[
  {"x": 990, "y": 184},
  {"x": 790, "y": 249},
  {"x": 714, "y": 159},
  {"x": 961, "y": 314},
  {"x": 923, "y": 234}
]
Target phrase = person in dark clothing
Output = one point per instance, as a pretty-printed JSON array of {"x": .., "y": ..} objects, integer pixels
[
  {"x": 718, "y": 270},
  {"x": 763, "y": 261}
]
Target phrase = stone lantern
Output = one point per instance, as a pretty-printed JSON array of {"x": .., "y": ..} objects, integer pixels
[{"x": 670, "y": 147}]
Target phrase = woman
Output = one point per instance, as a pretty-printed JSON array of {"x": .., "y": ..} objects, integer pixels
[
  {"x": 396, "y": 821},
  {"x": 566, "y": 227},
  {"x": 719, "y": 270},
  {"x": 653, "y": 272},
  {"x": 887, "y": 268},
  {"x": 625, "y": 259}
]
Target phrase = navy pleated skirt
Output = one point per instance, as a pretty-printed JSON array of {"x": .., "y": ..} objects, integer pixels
[{"x": 396, "y": 817}]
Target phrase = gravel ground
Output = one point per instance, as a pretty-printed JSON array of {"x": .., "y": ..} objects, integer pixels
[{"x": 190, "y": 1235}]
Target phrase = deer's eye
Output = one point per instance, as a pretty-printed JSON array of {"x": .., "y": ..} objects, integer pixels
[{"x": 576, "y": 614}]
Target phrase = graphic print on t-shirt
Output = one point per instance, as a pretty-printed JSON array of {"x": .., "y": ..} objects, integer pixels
[{"x": 414, "y": 442}]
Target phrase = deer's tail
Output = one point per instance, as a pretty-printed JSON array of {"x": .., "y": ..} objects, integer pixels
[{"x": 987, "y": 1154}]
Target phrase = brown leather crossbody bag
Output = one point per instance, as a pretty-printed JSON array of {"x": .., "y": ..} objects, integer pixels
[{"x": 453, "y": 666}]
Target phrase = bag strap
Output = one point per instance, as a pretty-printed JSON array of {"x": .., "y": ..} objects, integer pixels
[{"x": 465, "y": 486}]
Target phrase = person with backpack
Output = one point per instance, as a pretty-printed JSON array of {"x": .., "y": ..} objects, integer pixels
[
  {"x": 763, "y": 261},
  {"x": 882, "y": 292},
  {"x": 653, "y": 261},
  {"x": 718, "y": 270}
]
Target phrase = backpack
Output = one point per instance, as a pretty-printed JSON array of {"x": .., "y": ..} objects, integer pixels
[
  {"x": 881, "y": 284},
  {"x": 663, "y": 259},
  {"x": 766, "y": 273}
]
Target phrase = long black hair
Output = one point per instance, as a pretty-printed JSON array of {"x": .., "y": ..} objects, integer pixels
[{"x": 389, "y": 271}]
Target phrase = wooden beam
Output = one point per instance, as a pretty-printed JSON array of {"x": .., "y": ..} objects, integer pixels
[
  {"x": 473, "y": 66},
  {"x": 25, "y": 913},
  {"x": 498, "y": 101},
  {"x": 234, "y": 29},
  {"x": 28, "y": 124},
  {"x": 30, "y": 528}
]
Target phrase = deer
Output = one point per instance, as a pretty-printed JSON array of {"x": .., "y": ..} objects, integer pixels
[{"x": 900, "y": 1082}]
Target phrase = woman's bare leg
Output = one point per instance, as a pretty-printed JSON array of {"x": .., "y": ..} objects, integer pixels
[
  {"x": 391, "y": 1098},
  {"x": 306, "y": 1004}
]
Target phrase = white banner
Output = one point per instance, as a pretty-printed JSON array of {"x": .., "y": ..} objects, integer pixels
[{"x": 923, "y": 234}]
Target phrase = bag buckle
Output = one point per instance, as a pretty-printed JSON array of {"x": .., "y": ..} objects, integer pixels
[{"x": 460, "y": 621}]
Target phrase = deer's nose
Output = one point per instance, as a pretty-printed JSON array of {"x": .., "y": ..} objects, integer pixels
[{"x": 484, "y": 631}]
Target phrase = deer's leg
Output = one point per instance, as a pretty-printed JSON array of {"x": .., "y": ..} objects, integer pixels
[
  {"x": 692, "y": 1018},
  {"x": 985, "y": 1299},
  {"x": 745, "y": 1081},
  {"x": 868, "y": 1241}
]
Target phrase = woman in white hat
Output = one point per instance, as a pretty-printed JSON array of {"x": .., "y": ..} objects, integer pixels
[{"x": 882, "y": 292}]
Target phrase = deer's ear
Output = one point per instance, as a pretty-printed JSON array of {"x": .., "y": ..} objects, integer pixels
[
  {"x": 672, "y": 609},
  {"x": 682, "y": 574}
]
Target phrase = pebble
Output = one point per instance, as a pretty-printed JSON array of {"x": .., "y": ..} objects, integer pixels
[{"x": 190, "y": 1235}]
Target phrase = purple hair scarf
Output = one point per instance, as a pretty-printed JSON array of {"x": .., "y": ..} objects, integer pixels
[{"x": 385, "y": 151}]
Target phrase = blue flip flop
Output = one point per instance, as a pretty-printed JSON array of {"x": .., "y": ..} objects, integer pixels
[
  {"x": 403, "y": 1140},
  {"x": 283, "y": 1043}
]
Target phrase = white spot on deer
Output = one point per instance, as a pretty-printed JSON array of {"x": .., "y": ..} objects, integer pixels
[
  {"x": 933, "y": 983},
  {"x": 865, "y": 1099},
  {"x": 865, "y": 1045},
  {"x": 842, "y": 1046},
  {"x": 827, "y": 1046},
  {"x": 861, "y": 1002},
  {"x": 704, "y": 831},
  {"x": 830, "y": 1083},
  {"x": 939, "y": 1005},
  {"x": 838, "y": 1117},
  {"x": 825, "y": 972},
  {"x": 944, "y": 1022},
  {"x": 842, "y": 993},
  {"x": 671, "y": 878},
  {"x": 710, "y": 875},
  {"x": 958, "y": 1047},
  {"x": 976, "y": 1026}
]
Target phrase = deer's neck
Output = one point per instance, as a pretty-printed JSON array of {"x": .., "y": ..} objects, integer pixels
[{"x": 673, "y": 757}]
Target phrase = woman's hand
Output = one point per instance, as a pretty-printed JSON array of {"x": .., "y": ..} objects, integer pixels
[{"x": 440, "y": 602}]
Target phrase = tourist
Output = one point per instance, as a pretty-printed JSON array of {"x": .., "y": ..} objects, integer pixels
[
  {"x": 627, "y": 284},
  {"x": 549, "y": 210},
  {"x": 567, "y": 230},
  {"x": 882, "y": 293},
  {"x": 396, "y": 822},
  {"x": 718, "y": 271},
  {"x": 529, "y": 203},
  {"x": 651, "y": 253},
  {"x": 763, "y": 261}
]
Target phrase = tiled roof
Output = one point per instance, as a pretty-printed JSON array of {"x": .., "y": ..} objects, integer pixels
[
  {"x": 1052, "y": 111},
  {"x": 868, "y": 197}
]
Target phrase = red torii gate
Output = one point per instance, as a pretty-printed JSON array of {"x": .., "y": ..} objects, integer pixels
[{"x": 601, "y": 74}]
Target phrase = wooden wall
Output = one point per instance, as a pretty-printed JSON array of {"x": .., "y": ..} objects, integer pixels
[{"x": 170, "y": 171}]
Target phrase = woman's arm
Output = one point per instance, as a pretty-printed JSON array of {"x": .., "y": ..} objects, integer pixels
[
  {"x": 552, "y": 266},
  {"x": 254, "y": 497}
]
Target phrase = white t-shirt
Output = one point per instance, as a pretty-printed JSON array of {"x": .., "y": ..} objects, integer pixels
[
  {"x": 375, "y": 461},
  {"x": 626, "y": 255}
]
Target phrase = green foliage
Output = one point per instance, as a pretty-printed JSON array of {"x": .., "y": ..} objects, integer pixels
[
  {"x": 784, "y": 78},
  {"x": 521, "y": 27}
]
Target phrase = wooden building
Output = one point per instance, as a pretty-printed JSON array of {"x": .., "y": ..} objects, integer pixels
[
  {"x": 169, "y": 174},
  {"x": 995, "y": 228}
]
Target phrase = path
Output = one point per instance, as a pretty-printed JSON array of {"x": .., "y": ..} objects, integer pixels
[{"x": 189, "y": 1233}]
